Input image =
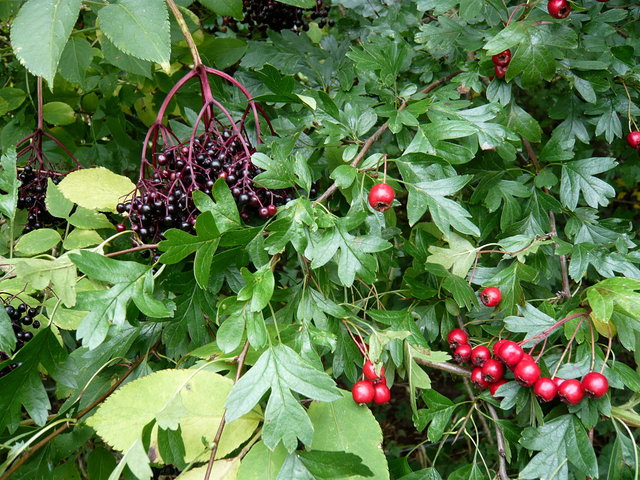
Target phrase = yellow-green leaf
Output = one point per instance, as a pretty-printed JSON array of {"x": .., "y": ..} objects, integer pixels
[{"x": 96, "y": 189}]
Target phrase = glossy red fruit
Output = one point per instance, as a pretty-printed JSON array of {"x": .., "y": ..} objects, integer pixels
[
  {"x": 462, "y": 353},
  {"x": 545, "y": 389},
  {"x": 497, "y": 346},
  {"x": 510, "y": 353},
  {"x": 493, "y": 388},
  {"x": 502, "y": 59},
  {"x": 382, "y": 394},
  {"x": 369, "y": 371},
  {"x": 633, "y": 139},
  {"x": 457, "y": 337},
  {"x": 571, "y": 392},
  {"x": 490, "y": 296},
  {"x": 526, "y": 373},
  {"x": 120, "y": 227},
  {"x": 477, "y": 379},
  {"x": 500, "y": 71},
  {"x": 558, "y": 381},
  {"x": 527, "y": 357},
  {"x": 492, "y": 370},
  {"x": 272, "y": 209},
  {"x": 381, "y": 197},
  {"x": 479, "y": 355},
  {"x": 363, "y": 391},
  {"x": 595, "y": 385},
  {"x": 559, "y": 8}
]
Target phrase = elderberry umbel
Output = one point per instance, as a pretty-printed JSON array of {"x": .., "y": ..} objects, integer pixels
[
  {"x": 263, "y": 14},
  {"x": 172, "y": 169},
  {"x": 23, "y": 322}
]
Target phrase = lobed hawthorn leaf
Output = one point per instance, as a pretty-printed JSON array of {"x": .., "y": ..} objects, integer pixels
[
  {"x": 53, "y": 20},
  {"x": 579, "y": 177}
]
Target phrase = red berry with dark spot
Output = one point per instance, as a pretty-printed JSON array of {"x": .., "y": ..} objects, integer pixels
[
  {"x": 477, "y": 379},
  {"x": 382, "y": 393},
  {"x": 633, "y": 139},
  {"x": 500, "y": 71},
  {"x": 369, "y": 371},
  {"x": 363, "y": 391},
  {"x": 479, "y": 355},
  {"x": 493, "y": 388},
  {"x": 462, "y": 353},
  {"x": 457, "y": 337},
  {"x": 571, "y": 392},
  {"x": 545, "y": 389},
  {"x": 559, "y": 8},
  {"x": 381, "y": 197},
  {"x": 502, "y": 59},
  {"x": 490, "y": 296},
  {"x": 527, "y": 373},
  {"x": 510, "y": 353},
  {"x": 492, "y": 370},
  {"x": 595, "y": 384}
]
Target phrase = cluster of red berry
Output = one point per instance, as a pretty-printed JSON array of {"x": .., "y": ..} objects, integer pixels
[
  {"x": 501, "y": 62},
  {"x": 374, "y": 386},
  {"x": 490, "y": 370}
]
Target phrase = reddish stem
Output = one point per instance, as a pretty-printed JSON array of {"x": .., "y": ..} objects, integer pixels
[{"x": 546, "y": 333}]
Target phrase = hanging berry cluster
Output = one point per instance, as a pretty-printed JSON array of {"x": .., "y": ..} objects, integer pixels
[
  {"x": 172, "y": 169},
  {"x": 490, "y": 371},
  {"x": 263, "y": 14},
  {"x": 21, "y": 316},
  {"x": 373, "y": 388},
  {"x": 501, "y": 62}
]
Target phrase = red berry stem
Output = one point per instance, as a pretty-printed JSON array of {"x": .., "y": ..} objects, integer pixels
[
  {"x": 517, "y": 7},
  {"x": 548, "y": 331},
  {"x": 606, "y": 357},
  {"x": 567, "y": 348}
]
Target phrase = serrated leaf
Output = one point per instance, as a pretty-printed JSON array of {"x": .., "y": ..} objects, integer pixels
[
  {"x": 138, "y": 28},
  {"x": 75, "y": 60},
  {"x": 53, "y": 20},
  {"x": 96, "y": 189},
  {"x": 459, "y": 257},
  {"x": 579, "y": 177}
]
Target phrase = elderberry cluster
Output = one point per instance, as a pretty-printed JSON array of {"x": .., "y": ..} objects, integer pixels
[
  {"x": 263, "y": 14},
  {"x": 31, "y": 197},
  {"x": 165, "y": 200},
  {"x": 21, "y": 316}
]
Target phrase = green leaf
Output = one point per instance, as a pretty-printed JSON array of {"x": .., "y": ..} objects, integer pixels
[
  {"x": 96, "y": 189},
  {"x": 281, "y": 369},
  {"x": 128, "y": 63},
  {"x": 438, "y": 415},
  {"x": 56, "y": 203},
  {"x": 79, "y": 238},
  {"x": 7, "y": 336},
  {"x": 299, "y": 3},
  {"x": 578, "y": 177},
  {"x": 191, "y": 400},
  {"x": 329, "y": 465},
  {"x": 531, "y": 322},
  {"x": 9, "y": 184},
  {"x": 138, "y": 29},
  {"x": 344, "y": 175},
  {"x": 345, "y": 426},
  {"x": 560, "y": 441},
  {"x": 38, "y": 241},
  {"x": 224, "y": 8},
  {"x": 58, "y": 113},
  {"x": 53, "y": 20},
  {"x": 224, "y": 209},
  {"x": 262, "y": 463},
  {"x": 524, "y": 124},
  {"x": 259, "y": 287},
  {"x": 222, "y": 52},
  {"x": 279, "y": 172},
  {"x": 75, "y": 60},
  {"x": 459, "y": 257}
]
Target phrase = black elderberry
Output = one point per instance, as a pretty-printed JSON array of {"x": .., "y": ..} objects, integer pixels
[{"x": 36, "y": 324}]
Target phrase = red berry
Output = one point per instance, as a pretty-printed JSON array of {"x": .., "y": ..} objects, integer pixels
[
  {"x": 120, "y": 227},
  {"x": 559, "y": 8},
  {"x": 497, "y": 346},
  {"x": 545, "y": 389},
  {"x": 493, "y": 388},
  {"x": 462, "y": 353},
  {"x": 595, "y": 384},
  {"x": 272, "y": 209},
  {"x": 457, "y": 337},
  {"x": 492, "y": 370},
  {"x": 571, "y": 392},
  {"x": 510, "y": 353},
  {"x": 477, "y": 379},
  {"x": 633, "y": 139},
  {"x": 500, "y": 71},
  {"x": 558, "y": 381},
  {"x": 369, "y": 370},
  {"x": 479, "y": 355},
  {"x": 526, "y": 373},
  {"x": 363, "y": 391},
  {"x": 502, "y": 59},
  {"x": 490, "y": 296},
  {"x": 382, "y": 393},
  {"x": 381, "y": 197},
  {"x": 263, "y": 212}
]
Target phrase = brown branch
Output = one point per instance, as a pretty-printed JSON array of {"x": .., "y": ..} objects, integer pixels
[
  {"x": 566, "y": 287},
  {"x": 378, "y": 133},
  {"x": 78, "y": 416},
  {"x": 185, "y": 31},
  {"x": 502, "y": 454},
  {"x": 216, "y": 441}
]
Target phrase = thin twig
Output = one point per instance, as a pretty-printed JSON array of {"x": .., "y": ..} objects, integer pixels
[
  {"x": 485, "y": 425},
  {"x": 502, "y": 453},
  {"x": 185, "y": 31},
  {"x": 151, "y": 246},
  {"x": 378, "y": 133},
  {"x": 444, "y": 366},
  {"x": 78, "y": 416},
  {"x": 223, "y": 422}
]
